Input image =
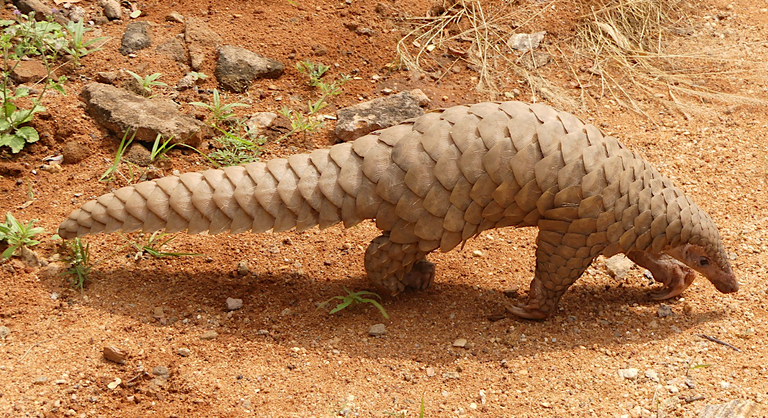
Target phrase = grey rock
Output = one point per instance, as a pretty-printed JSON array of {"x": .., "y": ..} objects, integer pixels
[
  {"x": 112, "y": 9},
  {"x": 664, "y": 311},
  {"x": 358, "y": 120},
  {"x": 209, "y": 335},
  {"x": 74, "y": 152},
  {"x": 535, "y": 60},
  {"x": 238, "y": 67},
  {"x": 234, "y": 304},
  {"x": 30, "y": 257},
  {"x": 4, "y": 332},
  {"x": 377, "y": 330},
  {"x": 737, "y": 408},
  {"x": 174, "y": 49},
  {"x": 139, "y": 155},
  {"x": 76, "y": 14},
  {"x": 196, "y": 56},
  {"x": 108, "y": 77},
  {"x": 260, "y": 121},
  {"x": 525, "y": 41},
  {"x": 119, "y": 110},
  {"x": 161, "y": 371},
  {"x": 197, "y": 32},
  {"x": 451, "y": 375},
  {"x": 421, "y": 97},
  {"x": 40, "y": 380},
  {"x": 629, "y": 374},
  {"x": 184, "y": 352},
  {"x": 618, "y": 266},
  {"x": 186, "y": 82},
  {"x": 174, "y": 17},
  {"x": 652, "y": 375},
  {"x": 137, "y": 36},
  {"x": 41, "y": 9}
]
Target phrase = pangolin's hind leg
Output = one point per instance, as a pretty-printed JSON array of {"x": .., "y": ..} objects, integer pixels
[
  {"x": 558, "y": 265},
  {"x": 394, "y": 267}
]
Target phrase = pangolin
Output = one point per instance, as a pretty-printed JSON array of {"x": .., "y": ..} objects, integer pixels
[{"x": 440, "y": 179}]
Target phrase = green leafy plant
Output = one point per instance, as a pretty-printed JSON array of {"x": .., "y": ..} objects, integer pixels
[
  {"x": 146, "y": 83},
  {"x": 109, "y": 175},
  {"x": 25, "y": 37},
  {"x": 79, "y": 258},
  {"x": 352, "y": 299},
  {"x": 18, "y": 235},
  {"x": 77, "y": 47},
  {"x": 220, "y": 112},
  {"x": 310, "y": 122},
  {"x": 232, "y": 149},
  {"x": 155, "y": 242},
  {"x": 315, "y": 71}
]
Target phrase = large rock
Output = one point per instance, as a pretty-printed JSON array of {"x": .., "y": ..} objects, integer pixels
[
  {"x": 119, "y": 110},
  {"x": 358, "y": 120},
  {"x": 238, "y": 67},
  {"x": 199, "y": 38},
  {"x": 137, "y": 36}
]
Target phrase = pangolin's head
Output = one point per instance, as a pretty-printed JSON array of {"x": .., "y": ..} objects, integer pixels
[{"x": 700, "y": 247}]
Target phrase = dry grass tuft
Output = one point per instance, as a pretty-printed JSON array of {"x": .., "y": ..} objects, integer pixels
[
  {"x": 466, "y": 32},
  {"x": 628, "y": 42}
]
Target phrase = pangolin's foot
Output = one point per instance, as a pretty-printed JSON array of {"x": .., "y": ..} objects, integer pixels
[
  {"x": 675, "y": 284},
  {"x": 529, "y": 311},
  {"x": 421, "y": 275},
  {"x": 664, "y": 269}
]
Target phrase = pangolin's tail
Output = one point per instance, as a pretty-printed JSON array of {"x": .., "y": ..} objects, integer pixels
[{"x": 321, "y": 188}]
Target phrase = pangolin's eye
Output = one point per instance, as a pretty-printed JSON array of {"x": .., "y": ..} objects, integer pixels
[{"x": 703, "y": 261}]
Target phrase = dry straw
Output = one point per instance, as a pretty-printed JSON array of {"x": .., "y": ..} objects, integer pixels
[{"x": 627, "y": 40}]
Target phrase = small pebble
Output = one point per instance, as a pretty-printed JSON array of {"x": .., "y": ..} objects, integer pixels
[
  {"x": 209, "y": 335},
  {"x": 4, "y": 332},
  {"x": 652, "y": 375},
  {"x": 161, "y": 371},
  {"x": 40, "y": 380},
  {"x": 477, "y": 253},
  {"x": 377, "y": 330},
  {"x": 629, "y": 374},
  {"x": 461, "y": 343},
  {"x": 664, "y": 311},
  {"x": 430, "y": 371},
  {"x": 184, "y": 352},
  {"x": 242, "y": 268},
  {"x": 451, "y": 375},
  {"x": 234, "y": 304},
  {"x": 114, "y": 354}
]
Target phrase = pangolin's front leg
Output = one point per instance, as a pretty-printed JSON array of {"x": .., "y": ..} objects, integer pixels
[
  {"x": 675, "y": 276},
  {"x": 561, "y": 258},
  {"x": 392, "y": 267}
]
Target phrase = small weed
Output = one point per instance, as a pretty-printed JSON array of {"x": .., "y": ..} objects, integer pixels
[
  {"x": 197, "y": 75},
  {"x": 25, "y": 37},
  {"x": 77, "y": 47},
  {"x": 79, "y": 258},
  {"x": 352, "y": 299},
  {"x": 109, "y": 175},
  {"x": 17, "y": 235},
  {"x": 155, "y": 242},
  {"x": 310, "y": 122},
  {"x": 147, "y": 82},
  {"x": 220, "y": 112},
  {"x": 314, "y": 71},
  {"x": 235, "y": 150},
  {"x": 159, "y": 148},
  {"x": 403, "y": 414}
]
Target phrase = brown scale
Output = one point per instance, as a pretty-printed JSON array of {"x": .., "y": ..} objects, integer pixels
[{"x": 439, "y": 180}]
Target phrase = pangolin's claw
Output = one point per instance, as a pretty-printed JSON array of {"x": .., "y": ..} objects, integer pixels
[{"x": 528, "y": 312}]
